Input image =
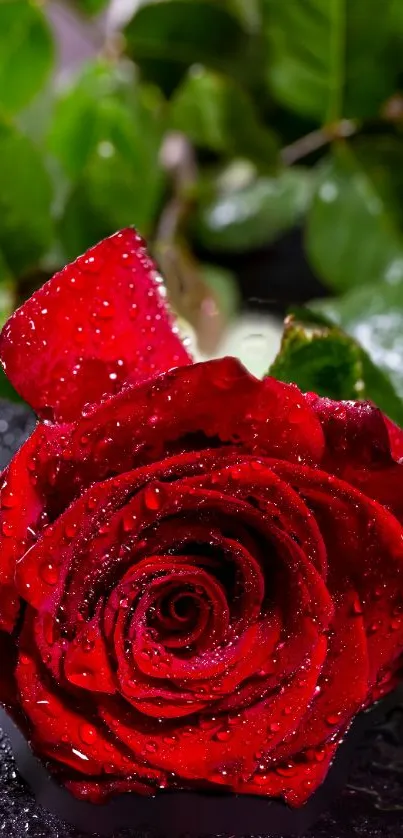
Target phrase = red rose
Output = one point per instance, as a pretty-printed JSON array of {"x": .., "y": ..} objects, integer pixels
[{"x": 200, "y": 572}]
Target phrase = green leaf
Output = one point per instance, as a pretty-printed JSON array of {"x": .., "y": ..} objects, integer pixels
[
  {"x": 328, "y": 59},
  {"x": 353, "y": 234},
  {"x": 91, "y": 7},
  {"x": 373, "y": 315},
  {"x": 25, "y": 201},
  {"x": 175, "y": 34},
  {"x": 248, "y": 12},
  {"x": 216, "y": 113},
  {"x": 26, "y": 52},
  {"x": 104, "y": 111},
  {"x": 254, "y": 213},
  {"x": 317, "y": 356},
  {"x": 8, "y": 297},
  {"x": 80, "y": 225},
  {"x": 112, "y": 193},
  {"x": 319, "y": 359},
  {"x": 225, "y": 288},
  {"x": 7, "y": 306},
  {"x": 107, "y": 133}
]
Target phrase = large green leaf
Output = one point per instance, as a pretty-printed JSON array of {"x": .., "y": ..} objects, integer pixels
[
  {"x": 353, "y": 235},
  {"x": 25, "y": 201},
  {"x": 248, "y": 11},
  {"x": 321, "y": 358},
  {"x": 7, "y": 306},
  {"x": 26, "y": 52},
  {"x": 112, "y": 193},
  {"x": 328, "y": 58},
  {"x": 373, "y": 315},
  {"x": 105, "y": 111},
  {"x": 91, "y": 7},
  {"x": 216, "y": 113},
  {"x": 251, "y": 215},
  {"x": 174, "y": 34},
  {"x": 107, "y": 133}
]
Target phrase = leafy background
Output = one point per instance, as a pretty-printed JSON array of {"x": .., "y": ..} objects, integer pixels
[{"x": 224, "y": 130}]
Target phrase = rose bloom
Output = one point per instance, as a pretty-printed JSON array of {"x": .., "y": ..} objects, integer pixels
[{"x": 200, "y": 572}]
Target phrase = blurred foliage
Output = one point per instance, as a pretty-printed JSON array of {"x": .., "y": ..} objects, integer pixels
[{"x": 216, "y": 126}]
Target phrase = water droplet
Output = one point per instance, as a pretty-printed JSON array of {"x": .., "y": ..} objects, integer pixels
[
  {"x": 151, "y": 747},
  {"x": 6, "y": 528},
  {"x": 317, "y": 754},
  {"x": 104, "y": 528},
  {"x": 133, "y": 311},
  {"x": 105, "y": 311},
  {"x": 170, "y": 740},
  {"x": 356, "y": 608},
  {"x": 333, "y": 719},
  {"x": 286, "y": 770},
  {"x": 87, "y": 733},
  {"x": 273, "y": 727},
  {"x": 128, "y": 522},
  {"x": 257, "y": 465},
  {"x": 70, "y": 531},
  {"x": 8, "y": 499},
  {"x": 108, "y": 746},
  {"x": 87, "y": 644},
  {"x": 260, "y": 779},
  {"x": 396, "y": 623},
  {"x": 223, "y": 735},
  {"x": 49, "y": 573},
  {"x": 153, "y": 497},
  {"x": 91, "y": 264},
  {"x": 24, "y": 659}
]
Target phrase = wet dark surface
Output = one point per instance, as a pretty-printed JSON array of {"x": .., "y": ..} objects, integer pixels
[{"x": 370, "y": 806}]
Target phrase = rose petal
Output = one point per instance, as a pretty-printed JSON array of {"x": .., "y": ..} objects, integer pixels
[
  {"x": 22, "y": 504},
  {"x": 197, "y": 752},
  {"x": 395, "y": 438},
  {"x": 62, "y": 730},
  {"x": 365, "y": 549},
  {"x": 97, "y": 325},
  {"x": 295, "y": 782},
  {"x": 203, "y": 406},
  {"x": 363, "y": 447},
  {"x": 86, "y": 662},
  {"x": 355, "y": 433},
  {"x": 343, "y": 684}
]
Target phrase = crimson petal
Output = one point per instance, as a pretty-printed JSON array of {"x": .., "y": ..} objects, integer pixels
[{"x": 99, "y": 324}]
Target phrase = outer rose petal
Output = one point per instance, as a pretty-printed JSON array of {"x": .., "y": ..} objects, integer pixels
[
  {"x": 22, "y": 504},
  {"x": 365, "y": 550},
  {"x": 355, "y": 433},
  {"x": 195, "y": 752},
  {"x": 61, "y": 729},
  {"x": 364, "y": 448},
  {"x": 187, "y": 409},
  {"x": 97, "y": 325},
  {"x": 343, "y": 684},
  {"x": 396, "y": 438}
]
